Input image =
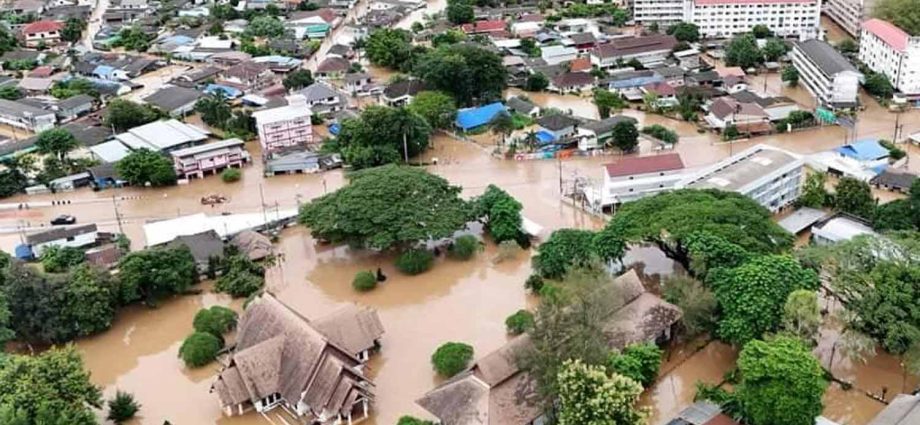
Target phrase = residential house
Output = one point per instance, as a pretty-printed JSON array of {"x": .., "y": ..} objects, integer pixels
[
  {"x": 594, "y": 134},
  {"x": 672, "y": 75},
  {"x": 868, "y": 152},
  {"x": 707, "y": 413},
  {"x": 572, "y": 82},
  {"x": 323, "y": 99},
  {"x": 633, "y": 178},
  {"x": 70, "y": 237},
  {"x": 206, "y": 247},
  {"x": 904, "y": 409},
  {"x": 889, "y": 50},
  {"x": 484, "y": 27},
  {"x": 249, "y": 76},
  {"x": 282, "y": 359},
  {"x": 628, "y": 83},
  {"x": 582, "y": 64},
  {"x": 402, "y": 92},
  {"x": 299, "y": 161},
  {"x": 332, "y": 68},
  {"x": 523, "y": 107},
  {"x": 174, "y": 100},
  {"x": 361, "y": 84},
  {"x": 35, "y": 86},
  {"x": 21, "y": 115},
  {"x": 709, "y": 78},
  {"x": 279, "y": 63},
  {"x": 839, "y": 227},
  {"x": 558, "y": 125},
  {"x": 894, "y": 181},
  {"x": 253, "y": 245},
  {"x": 495, "y": 391},
  {"x": 573, "y": 25},
  {"x": 665, "y": 95},
  {"x": 827, "y": 75},
  {"x": 163, "y": 136},
  {"x": 285, "y": 127},
  {"x": 341, "y": 50},
  {"x": 196, "y": 161},
  {"x": 32, "y": 7},
  {"x": 42, "y": 33},
  {"x": 583, "y": 41},
  {"x": 554, "y": 55},
  {"x": 747, "y": 117},
  {"x": 688, "y": 59},
  {"x": 73, "y": 107},
  {"x": 525, "y": 29},
  {"x": 770, "y": 176},
  {"x": 356, "y": 328},
  {"x": 648, "y": 50},
  {"x": 476, "y": 117}
]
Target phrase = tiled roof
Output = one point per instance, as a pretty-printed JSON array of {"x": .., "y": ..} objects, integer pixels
[
  {"x": 644, "y": 165},
  {"x": 635, "y": 45},
  {"x": 42, "y": 26},
  {"x": 484, "y": 26},
  {"x": 888, "y": 32}
]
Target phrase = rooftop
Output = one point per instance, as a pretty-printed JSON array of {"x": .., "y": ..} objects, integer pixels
[
  {"x": 58, "y": 233},
  {"x": 887, "y": 32},
  {"x": 173, "y": 97},
  {"x": 206, "y": 148},
  {"x": 645, "y": 164},
  {"x": 801, "y": 219},
  {"x": 825, "y": 57},
  {"x": 162, "y": 135},
  {"x": 737, "y": 172},
  {"x": 627, "y": 46},
  {"x": 556, "y": 122},
  {"x": 903, "y": 410}
]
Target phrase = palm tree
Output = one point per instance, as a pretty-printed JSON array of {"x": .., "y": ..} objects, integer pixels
[
  {"x": 502, "y": 125},
  {"x": 531, "y": 140}
]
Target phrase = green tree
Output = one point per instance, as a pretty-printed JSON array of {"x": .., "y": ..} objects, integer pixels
[
  {"x": 73, "y": 29},
  {"x": 10, "y": 93},
  {"x": 49, "y": 388},
  {"x": 75, "y": 86},
  {"x": 667, "y": 219},
  {"x": 607, "y": 102},
  {"x": 452, "y": 358},
  {"x": 519, "y": 322},
  {"x": 536, "y": 82},
  {"x": 123, "y": 407},
  {"x": 144, "y": 166},
  {"x": 790, "y": 76},
  {"x": 848, "y": 47},
  {"x": 743, "y": 51},
  {"x": 469, "y": 73},
  {"x": 88, "y": 298},
  {"x": 773, "y": 49},
  {"x": 8, "y": 41},
  {"x": 502, "y": 125},
  {"x": 199, "y": 349},
  {"x": 639, "y": 362},
  {"x": 895, "y": 215},
  {"x": 437, "y": 108},
  {"x": 124, "y": 114},
  {"x": 781, "y": 383},
  {"x": 241, "y": 277},
  {"x": 216, "y": 320},
  {"x": 414, "y": 261},
  {"x": 298, "y": 79},
  {"x": 154, "y": 273},
  {"x": 802, "y": 316},
  {"x": 696, "y": 301},
  {"x": 464, "y": 247},
  {"x": 752, "y": 295},
  {"x": 459, "y": 12},
  {"x": 814, "y": 191},
  {"x": 409, "y": 420},
  {"x": 364, "y": 281},
  {"x": 878, "y": 85},
  {"x": 761, "y": 31},
  {"x": 387, "y": 207},
  {"x": 625, "y": 136},
  {"x": 685, "y": 31},
  {"x": 58, "y": 259},
  {"x": 57, "y": 142},
  {"x": 230, "y": 175},
  {"x": 134, "y": 38},
  {"x": 214, "y": 110},
  {"x": 854, "y": 196},
  {"x": 265, "y": 26},
  {"x": 589, "y": 396},
  {"x": 383, "y": 135},
  {"x": 662, "y": 133},
  {"x": 565, "y": 248},
  {"x": 391, "y": 48},
  {"x": 216, "y": 29},
  {"x": 902, "y": 13},
  {"x": 707, "y": 251}
]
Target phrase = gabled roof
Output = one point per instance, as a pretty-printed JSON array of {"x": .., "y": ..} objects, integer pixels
[
  {"x": 573, "y": 79},
  {"x": 333, "y": 64},
  {"x": 399, "y": 89},
  {"x": 58, "y": 233},
  {"x": 606, "y": 125},
  {"x": 901, "y": 181},
  {"x": 825, "y": 57},
  {"x": 724, "y": 107},
  {"x": 888, "y": 33},
  {"x": 355, "y": 328},
  {"x": 173, "y": 97},
  {"x": 645, "y": 164},
  {"x": 483, "y": 26},
  {"x": 520, "y": 105},
  {"x": 583, "y": 38},
  {"x": 556, "y": 122},
  {"x": 42, "y": 26},
  {"x": 863, "y": 150},
  {"x": 318, "y": 91},
  {"x": 203, "y": 245},
  {"x": 628, "y": 46},
  {"x": 475, "y": 117}
]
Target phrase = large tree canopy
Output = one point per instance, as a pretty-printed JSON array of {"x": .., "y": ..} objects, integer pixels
[
  {"x": 377, "y": 137},
  {"x": 667, "y": 219},
  {"x": 438, "y": 108},
  {"x": 468, "y": 72},
  {"x": 388, "y": 207},
  {"x": 391, "y": 48},
  {"x": 124, "y": 114},
  {"x": 156, "y": 272},
  {"x": 903, "y": 13},
  {"x": 146, "y": 166},
  {"x": 588, "y": 395}
]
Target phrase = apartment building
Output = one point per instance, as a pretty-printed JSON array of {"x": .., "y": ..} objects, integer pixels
[
  {"x": 827, "y": 75},
  {"x": 209, "y": 158},
  {"x": 888, "y": 50},
  {"x": 661, "y": 12},
  {"x": 286, "y": 126},
  {"x": 770, "y": 176},
  {"x": 727, "y": 18},
  {"x": 849, "y": 14},
  {"x": 630, "y": 179}
]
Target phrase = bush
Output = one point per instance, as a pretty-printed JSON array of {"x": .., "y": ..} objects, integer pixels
[
  {"x": 894, "y": 152},
  {"x": 241, "y": 277},
  {"x": 216, "y": 320},
  {"x": 231, "y": 175},
  {"x": 661, "y": 132},
  {"x": 199, "y": 349},
  {"x": 364, "y": 281},
  {"x": 452, "y": 358},
  {"x": 414, "y": 261},
  {"x": 409, "y": 420},
  {"x": 534, "y": 283},
  {"x": 464, "y": 247},
  {"x": 519, "y": 322},
  {"x": 59, "y": 259},
  {"x": 123, "y": 407},
  {"x": 639, "y": 362}
]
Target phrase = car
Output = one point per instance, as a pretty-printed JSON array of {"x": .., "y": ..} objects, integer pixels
[{"x": 64, "y": 219}]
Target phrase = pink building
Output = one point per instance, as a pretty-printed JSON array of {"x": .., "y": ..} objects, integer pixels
[
  {"x": 212, "y": 157},
  {"x": 285, "y": 126}
]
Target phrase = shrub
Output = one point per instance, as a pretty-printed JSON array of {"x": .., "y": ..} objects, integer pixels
[
  {"x": 414, "y": 261},
  {"x": 464, "y": 247},
  {"x": 364, "y": 281},
  {"x": 409, "y": 420},
  {"x": 216, "y": 320},
  {"x": 894, "y": 152},
  {"x": 452, "y": 358},
  {"x": 231, "y": 175},
  {"x": 123, "y": 407},
  {"x": 639, "y": 362},
  {"x": 661, "y": 132},
  {"x": 534, "y": 283},
  {"x": 59, "y": 259},
  {"x": 519, "y": 322},
  {"x": 199, "y": 349},
  {"x": 241, "y": 277}
]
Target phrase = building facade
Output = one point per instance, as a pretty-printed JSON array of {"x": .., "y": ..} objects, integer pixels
[
  {"x": 661, "y": 12},
  {"x": 849, "y": 14},
  {"x": 209, "y": 158},
  {"x": 631, "y": 179},
  {"x": 26, "y": 117},
  {"x": 888, "y": 50},
  {"x": 829, "y": 76},
  {"x": 285, "y": 127},
  {"x": 727, "y": 18}
]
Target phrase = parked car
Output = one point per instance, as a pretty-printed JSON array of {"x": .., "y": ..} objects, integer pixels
[{"x": 64, "y": 219}]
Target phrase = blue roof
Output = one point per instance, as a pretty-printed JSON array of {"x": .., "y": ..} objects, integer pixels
[
  {"x": 334, "y": 128},
  {"x": 103, "y": 70},
  {"x": 863, "y": 150},
  {"x": 180, "y": 39},
  {"x": 634, "y": 82},
  {"x": 545, "y": 137},
  {"x": 229, "y": 92},
  {"x": 23, "y": 252},
  {"x": 474, "y": 117}
]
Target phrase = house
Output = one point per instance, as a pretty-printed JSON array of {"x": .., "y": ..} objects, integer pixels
[
  {"x": 484, "y": 27},
  {"x": 279, "y": 63},
  {"x": 770, "y": 176},
  {"x": 211, "y": 157},
  {"x": 573, "y": 25},
  {"x": 174, "y": 100},
  {"x": 747, "y": 117},
  {"x": 475, "y": 117},
  {"x": 71, "y": 237},
  {"x": 341, "y": 50},
  {"x": 904, "y": 409},
  {"x": 633, "y": 178},
  {"x": 572, "y": 82},
  {"x": 73, "y": 107},
  {"x": 628, "y": 83},
  {"x": 582, "y": 64},
  {"x": 868, "y": 152},
  {"x": 839, "y": 227},
  {"x": 522, "y": 106},
  {"x": 109, "y": 152},
  {"x": 324, "y": 15},
  {"x": 594, "y": 134},
  {"x": 35, "y": 86},
  {"x": 888, "y": 50},
  {"x": 558, "y": 125},
  {"x": 105, "y": 256},
  {"x": 296, "y": 161},
  {"x": 648, "y": 50},
  {"x": 250, "y": 75},
  {"x": 554, "y": 55},
  {"x": 525, "y": 29},
  {"x": 282, "y": 359},
  {"x": 801, "y": 220},
  {"x": 688, "y": 59},
  {"x": 356, "y": 328},
  {"x": 197, "y": 78},
  {"x": 105, "y": 175},
  {"x": 34, "y": 7},
  {"x": 402, "y": 92},
  {"x": 253, "y": 245},
  {"x": 665, "y": 94},
  {"x": 495, "y": 391},
  {"x": 163, "y": 136},
  {"x": 206, "y": 248},
  {"x": 583, "y": 41},
  {"x": 827, "y": 75},
  {"x": 286, "y": 126},
  {"x": 360, "y": 84},
  {"x": 323, "y": 99},
  {"x": 332, "y": 68},
  {"x": 672, "y": 75},
  {"x": 42, "y": 33},
  {"x": 898, "y": 182},
  {"x": 21, "y": 115}
]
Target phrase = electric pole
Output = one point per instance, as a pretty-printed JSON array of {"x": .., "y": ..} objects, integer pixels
[{"x": 117, "y": 215}]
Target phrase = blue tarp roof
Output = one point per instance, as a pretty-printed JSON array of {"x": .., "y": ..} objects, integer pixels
[
  {"x": 334, "y": 128},
  {"x": 23, "y": 252},
  {"x": 103, "y": 70},
  {"x": 545, "y": 137},
  {"x": 474, "y": 117},
  {"x": 863, "y": 150},
  {"x": 634, "y": 82},
  {"x": 229, "y": 92}
]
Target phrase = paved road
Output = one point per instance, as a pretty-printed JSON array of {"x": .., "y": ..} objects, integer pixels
[{"x": 95, "y": 22}]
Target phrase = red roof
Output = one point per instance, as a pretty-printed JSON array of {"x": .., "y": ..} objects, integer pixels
[
  {"x": 42, "y": 26},
  {"x": 644, "y": 165},
  {"x": 718, "y": 2},
  {"x": 660, "y": 88},
  {"x": 888, "y": 32},
  {"x": 484, "y": 26},
  {"x": 580, "y": 64},
  {"x": 41, "y": 72},
  {"x": 532, "y": 17}
]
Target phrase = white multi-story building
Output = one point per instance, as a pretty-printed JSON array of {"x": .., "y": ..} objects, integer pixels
[
  {"x": 849, "y": 13},
  {"x": 829, "y": 76},
  {"x": 285, "y": 126},
  {"x": 770, "y": 176},
  {"x": 888, "y": 50},
  {"x": 630, "y": 179},
  {"x": 727, "y": 18}
]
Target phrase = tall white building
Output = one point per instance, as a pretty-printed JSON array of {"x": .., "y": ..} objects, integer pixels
[
  {"x": 829, "y": 76},
  {"x": 286, "y": 126},
  {"x": 888, "y": 50},
  {"x": 849, "y": 13},
  {"x": 726, "y": 18}
]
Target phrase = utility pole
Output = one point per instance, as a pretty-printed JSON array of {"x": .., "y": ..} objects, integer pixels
[
  {"x": 405, "y": 148},
  {"x": 897, "y": 125},
  {"x": 559, "y": 161},
  {"x": 262, "y": 197},
  {"x": 117, "y": 215}
]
